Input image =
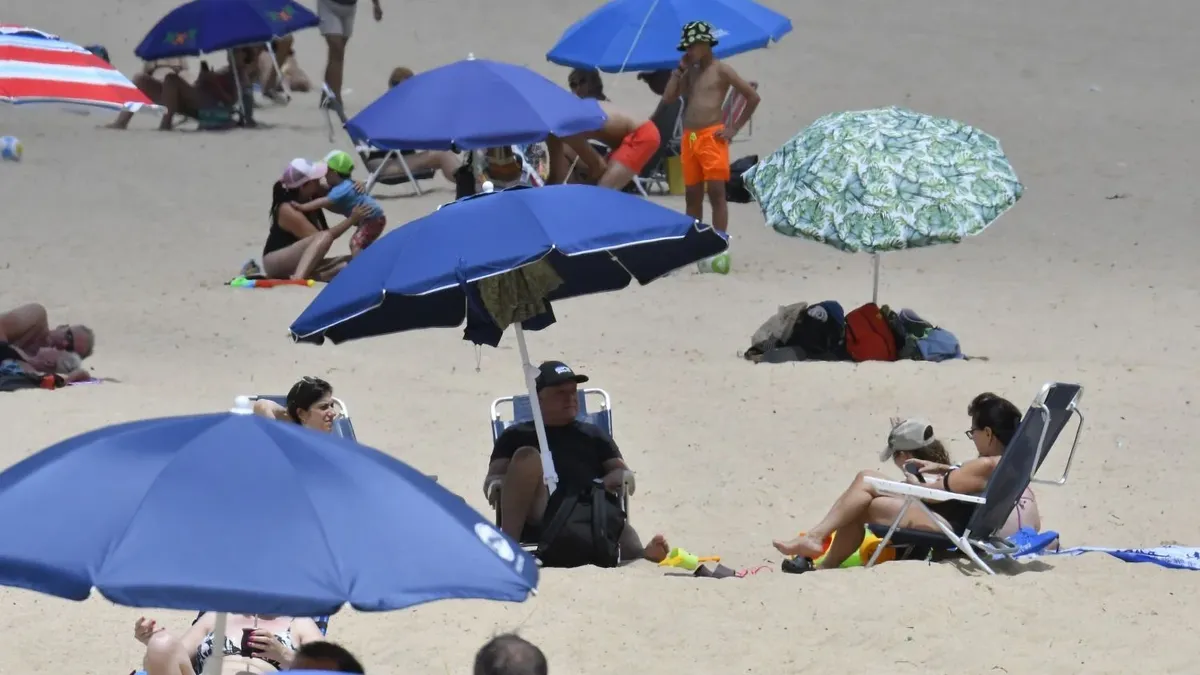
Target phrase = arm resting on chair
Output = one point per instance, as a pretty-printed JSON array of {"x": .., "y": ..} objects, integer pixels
[{"x": 908, "y": 490}]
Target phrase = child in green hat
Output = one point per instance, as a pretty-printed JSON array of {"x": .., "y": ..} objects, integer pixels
[{"x": 344, "y": 196}]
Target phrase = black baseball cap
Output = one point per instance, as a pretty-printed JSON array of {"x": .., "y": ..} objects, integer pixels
[{"x": 554, "y": 373}]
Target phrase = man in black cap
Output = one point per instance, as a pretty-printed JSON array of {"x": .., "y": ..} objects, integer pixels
[{"x": 582, "y": 453}]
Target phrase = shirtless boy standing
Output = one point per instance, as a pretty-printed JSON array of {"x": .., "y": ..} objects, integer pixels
[{"x": 703, "y": 82}]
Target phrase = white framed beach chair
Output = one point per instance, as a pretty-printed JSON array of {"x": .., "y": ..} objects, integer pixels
[
  {"x": 520, "y": 410},
  {"x": 734, "y": 104},
  {"x": 1045, "y": 420},
  {"x": 366, "y": 152}
]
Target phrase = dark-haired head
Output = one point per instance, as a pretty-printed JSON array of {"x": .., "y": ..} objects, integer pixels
[
  {"x": 326, "y": 656},
  {"x": 994, "y": 422},
  {"x": 310, "y": 403},
  {"x": 586, "y": 84},
  {"x": 510, "y": 654}
]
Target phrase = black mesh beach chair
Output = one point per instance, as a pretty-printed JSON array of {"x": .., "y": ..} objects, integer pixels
[
  {"x": 1045, "y": 420},
  {"x": 366, "y": 152}
]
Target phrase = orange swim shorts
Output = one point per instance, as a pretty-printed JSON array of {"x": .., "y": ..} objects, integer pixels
[
  {"x": 638, "y": 147},
  {"x": 704, "y": 156}
]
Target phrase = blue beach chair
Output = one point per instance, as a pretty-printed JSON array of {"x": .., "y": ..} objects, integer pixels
[
  {"x": 520, "y": 410},
  {"x": 1041, "y": 426}
]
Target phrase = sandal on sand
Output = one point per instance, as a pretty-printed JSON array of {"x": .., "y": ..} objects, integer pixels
[
  {"x": 718, "y": 572},
  {"x": 797, "y": 565}
]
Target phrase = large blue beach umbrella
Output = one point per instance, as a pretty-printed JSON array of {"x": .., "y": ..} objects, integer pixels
[
  {"x": 473, "y": 104},
  {"x": 233, "y": 512},
  {"x": 434, "y": 271},
  {"x": 204, "y": 26},
  {"x": 625, "y": 35}
]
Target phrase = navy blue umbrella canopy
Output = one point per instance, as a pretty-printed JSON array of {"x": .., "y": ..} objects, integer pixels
[
  {"x": 240, "y": 513},
  {"x": 204, "y": 26},
  {"x": 421, "y": 275},
  {"x": 473, "y": 104}
]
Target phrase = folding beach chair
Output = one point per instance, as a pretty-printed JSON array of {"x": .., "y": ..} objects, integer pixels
[
  {"x": 522, "y": 411},
  {"x": 365, "y": 151},
  {"x": 669, "y": 120},
  {"x": 734, "y": 104},
  {"x": 1046, "y": 418}
]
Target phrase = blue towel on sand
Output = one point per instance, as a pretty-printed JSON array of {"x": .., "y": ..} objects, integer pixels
[{"x": 1173, "y": 557}]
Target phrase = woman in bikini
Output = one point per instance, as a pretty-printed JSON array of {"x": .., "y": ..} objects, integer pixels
[
  {"x": 272, "y": 644},
  {"x": 297, "y": 242},
  {"x": 994, "y": 422},
  {"x": 213, "y": 90},
  {"x": 309, "y": 403}
]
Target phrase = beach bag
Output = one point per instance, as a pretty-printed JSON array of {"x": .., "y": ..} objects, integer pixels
[
  {"x": 819, "y": 332},
  {"x": 585, "y": 529},
  {"x": 735, "y": 187},
  {"x": 938, "y": 345},
  {"x": 868, "y": 336}
]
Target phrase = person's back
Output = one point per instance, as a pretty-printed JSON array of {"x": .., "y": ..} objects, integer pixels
[
  {"x": 510, "y": 654},
  {"x": 345, "y": 196}
]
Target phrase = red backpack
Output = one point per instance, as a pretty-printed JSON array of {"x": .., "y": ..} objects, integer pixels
[{"x": 868, "y": 336}]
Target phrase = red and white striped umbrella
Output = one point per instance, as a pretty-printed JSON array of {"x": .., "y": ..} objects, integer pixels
[{"x": 37, "y": 67}]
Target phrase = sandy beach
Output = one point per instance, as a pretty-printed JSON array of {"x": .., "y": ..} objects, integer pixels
[{"x": 1087, "y": 279}]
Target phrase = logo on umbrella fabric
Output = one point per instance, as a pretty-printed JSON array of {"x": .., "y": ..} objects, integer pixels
[
  {"x": 284, "y": 15},
  {"x": 495, "y": 541},
  {"x": 180, "y": 38}
]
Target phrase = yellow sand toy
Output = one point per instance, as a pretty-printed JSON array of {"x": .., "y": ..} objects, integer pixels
[
  {"x": 680, "y": 558},
  {"x": 860, "y": 557}
]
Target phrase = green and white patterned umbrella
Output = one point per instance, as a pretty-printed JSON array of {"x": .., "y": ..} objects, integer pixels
[{"x": 884, "y": 180}]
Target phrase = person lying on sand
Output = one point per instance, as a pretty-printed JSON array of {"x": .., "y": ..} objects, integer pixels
[
  {"x": 582, "y": 453},
  {"x": 424, "y": 160},
  {"x": 51, "y": 367},
  {"x": 634, "y": 141},
  {"x": 994, "y": 421},
  {"x": 343, "y": 197},
  {"x": 309, "y": 403},
  {"x": 28, "y": 329},
  {"x": 273, "y": 644},
  {"x": 214, "y": 93},
  {"x": 297, "y": 242}
]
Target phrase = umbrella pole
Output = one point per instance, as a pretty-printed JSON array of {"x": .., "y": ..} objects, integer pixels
[
  {"x": 213, "y": 665},
  {"x": 237, "y": 83},
  {"x": 645, "y": 20},
  {"x": 875, "y": 288},
  {"x": 539, "y": 426}
]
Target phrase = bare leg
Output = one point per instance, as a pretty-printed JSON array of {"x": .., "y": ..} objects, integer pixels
[
  {"x": 151, "y": 87},
  {"x": 314, "y": 254},
  {"x": 616, "y": 177},
  {"x": 166, "y": 656},
  {"x": 720, "y": 208},
  {"x": 329, "y": 268},
  {"x": 26, "y": 327},
  {"x": 632, "y": 549},
  {"x": 846, "y": 541},
  {"x": 179, "y": 98},
  {"x": 694, "y": 198},
  {"x": 558, "y": 160},
  {"x": 335, "y": 63},
  {"x": 523, "y": 494},
  {"x": 849, "y": 508}
]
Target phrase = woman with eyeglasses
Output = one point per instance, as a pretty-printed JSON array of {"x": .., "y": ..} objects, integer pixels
[
  {"x": 994, "y": 422},
  {"x": 309, "y": 403}
]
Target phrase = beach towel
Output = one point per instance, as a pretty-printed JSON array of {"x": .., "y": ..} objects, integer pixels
[
  {"x": 519, "y": 295},
  {"x": 1171, "y": 557}
]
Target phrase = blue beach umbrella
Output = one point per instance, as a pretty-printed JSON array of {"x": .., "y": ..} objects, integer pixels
[
  {"x": 233, "y": 512},
  {"x": 204, "y": 26},
  {"x": 441, "y": 270},
  {"x": 473, "y": 104},
  {"x": 625, "y": 35}
]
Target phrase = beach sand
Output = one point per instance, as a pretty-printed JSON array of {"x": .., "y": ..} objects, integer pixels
[{"x": 134, "y": 233}]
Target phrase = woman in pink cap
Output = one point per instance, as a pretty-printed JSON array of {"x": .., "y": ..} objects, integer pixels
[{"x": 298, "y": 242}]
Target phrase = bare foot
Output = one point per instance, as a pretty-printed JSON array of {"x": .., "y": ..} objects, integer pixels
[
  {"x": 657, "y": 549},
  {"x": 803, "y": 545}
]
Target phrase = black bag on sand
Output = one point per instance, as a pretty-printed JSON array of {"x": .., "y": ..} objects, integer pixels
[
  {"x": 585, "y": 529},
  {"x": 735, "y": 187}
]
